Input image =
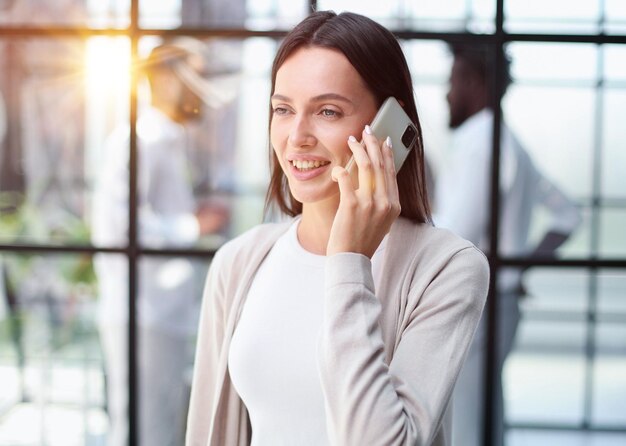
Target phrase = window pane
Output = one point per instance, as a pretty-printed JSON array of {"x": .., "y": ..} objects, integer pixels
[
  {"x": 612, "y": 292},
  {"x": 614, "y": 137},
  {"x": 552, "y": 62},
  {"x": 612, "y": 234},
  {"x": 556, "y": 291},
  {"x": 203, "y": 172},
  {"x": 544, "y": 377},
  {"x": 429, "y": 63},
  {"x": 551, "y": 16},
  {"x": 53, "y": 386},
  {"x": 446, "y": 15},
  {"x": 91, "y": 13},
  {"x": 60, "y": 97},
  {"x": 609, "y": 386},
  {"x": 615, "y": 14},
  {"x": 614, "y": 62},
  {"x": 253, "y": 14},
  {"x": 555, "y": 124},
  {"x": 577, "y": 246},
  {"x": 168, "y": 306}
]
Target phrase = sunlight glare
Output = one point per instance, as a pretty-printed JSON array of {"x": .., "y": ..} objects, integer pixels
[{"x": 107, "y": 66}]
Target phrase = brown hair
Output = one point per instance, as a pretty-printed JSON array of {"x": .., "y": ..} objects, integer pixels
[{"x": 377, "y": 57}]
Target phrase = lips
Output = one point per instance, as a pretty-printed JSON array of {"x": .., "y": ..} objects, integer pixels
[
  {"x": 305, "y": 169},
  {"x": 304, "y": 165}
]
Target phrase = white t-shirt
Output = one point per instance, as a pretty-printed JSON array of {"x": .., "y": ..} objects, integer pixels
[{"x": 273, "y": 353}]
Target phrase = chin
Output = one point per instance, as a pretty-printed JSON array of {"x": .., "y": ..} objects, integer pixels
[{"x": 316, "y": 195}]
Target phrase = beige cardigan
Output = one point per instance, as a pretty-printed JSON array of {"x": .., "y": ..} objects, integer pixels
[{"x": 388, "y": 360}]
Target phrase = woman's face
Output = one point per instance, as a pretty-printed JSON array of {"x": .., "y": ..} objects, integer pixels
[{"x": 319, "y": 101}]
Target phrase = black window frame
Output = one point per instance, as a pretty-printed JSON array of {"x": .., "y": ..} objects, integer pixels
[{"x": 498, "y": 39}]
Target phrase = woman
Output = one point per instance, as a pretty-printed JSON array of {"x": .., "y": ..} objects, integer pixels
[{"x": 349, "y": 323}]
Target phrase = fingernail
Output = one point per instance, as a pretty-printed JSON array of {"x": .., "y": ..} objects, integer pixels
[
  {"x": 368, "y": 130},
  {"x": 351, "y": 138},
  {"x": 388, "y": 141}
]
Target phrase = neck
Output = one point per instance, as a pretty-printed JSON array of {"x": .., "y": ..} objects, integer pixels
[{"x": 317, "y": 220}]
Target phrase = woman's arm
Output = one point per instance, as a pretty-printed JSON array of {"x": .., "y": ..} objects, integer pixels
[{"x": 368, "y": 402}]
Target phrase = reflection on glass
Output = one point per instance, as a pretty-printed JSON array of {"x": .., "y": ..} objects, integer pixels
[{"x": 52, "y": 387}]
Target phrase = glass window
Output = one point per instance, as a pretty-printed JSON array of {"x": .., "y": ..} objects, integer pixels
[
  {"x": 613, "y": 137},
  {"x": 555, "y": 125},
  {"x": 614, "y": 62},
  {"x": 611, "y": 292},
  {"x": 430, "y": 62},
  {"x": 551, "y": 16},
  {"x": 612, "y": 234},
  {"x": 555, "y": 291},
  {"x": 47, "y": 164},
  {"x": 615, "y": 14},
  {"x": 609, "y": 373},
  {"x": 251, "y": 14},
  {"x": 544, "y": 377},
  {"x": 50, "y": 358},
  {"x": 65, "y": 113},
  {"x": 447, "y": 15},
  {"x": 551, "y": 108}
]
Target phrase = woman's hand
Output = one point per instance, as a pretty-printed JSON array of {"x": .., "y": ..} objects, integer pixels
[{"x": 366, "y": 213}]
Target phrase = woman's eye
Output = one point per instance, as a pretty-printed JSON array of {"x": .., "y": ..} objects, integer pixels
[
  {"x": 280, "y": 111},
  {"x": 329, "y": 113}
]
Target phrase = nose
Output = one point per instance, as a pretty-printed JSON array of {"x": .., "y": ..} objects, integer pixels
[{"x": 300, "y": 134}]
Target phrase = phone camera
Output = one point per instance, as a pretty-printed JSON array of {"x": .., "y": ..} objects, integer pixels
[{"x": 408, "y": 137}]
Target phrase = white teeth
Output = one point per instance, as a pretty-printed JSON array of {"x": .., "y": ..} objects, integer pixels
[{"x": 306, "y": 165}]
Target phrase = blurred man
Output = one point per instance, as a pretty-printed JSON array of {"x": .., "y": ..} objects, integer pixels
[
  {"x": 462, "y": 204},
  {"x": 168, "y": 215}
]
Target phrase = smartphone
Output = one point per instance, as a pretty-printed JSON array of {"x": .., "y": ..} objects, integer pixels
[{"x": 391, "y": 120}]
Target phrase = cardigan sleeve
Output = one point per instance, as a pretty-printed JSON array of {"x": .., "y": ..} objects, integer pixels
[
  {"x": 208, "y": 349},
  {"x": 403, "y": 403}
]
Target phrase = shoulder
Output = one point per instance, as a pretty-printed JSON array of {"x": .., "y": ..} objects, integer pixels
[
  {"x": 437, "y": 267},
  {"x": 253, "y": 243},
  {"x": 430, "y": 250}
]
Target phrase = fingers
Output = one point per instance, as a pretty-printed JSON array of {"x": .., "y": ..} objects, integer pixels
[
  {"x": 376, "y": 172},
  {"x": 374, "y": 151},
  {"x": 342, "y": 177},
  {"x": 364, "y": 165},
  {"x": 390, "y": 173}
]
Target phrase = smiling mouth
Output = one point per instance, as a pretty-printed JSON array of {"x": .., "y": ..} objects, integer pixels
[{"x": 304, "y": 166}]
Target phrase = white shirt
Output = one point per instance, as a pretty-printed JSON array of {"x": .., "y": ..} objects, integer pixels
[
  {"x": 166, "y": 295},
  {"x": 273, "y": 352},
  {"x": 462, "y": 193}
]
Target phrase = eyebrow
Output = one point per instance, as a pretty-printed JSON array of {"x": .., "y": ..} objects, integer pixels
[{"x": 321, "y": 97}]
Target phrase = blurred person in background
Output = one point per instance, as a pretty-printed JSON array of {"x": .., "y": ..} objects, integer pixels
[
  {"x": 168, "y": 215},
  {"x": 462, "y": 204}
]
